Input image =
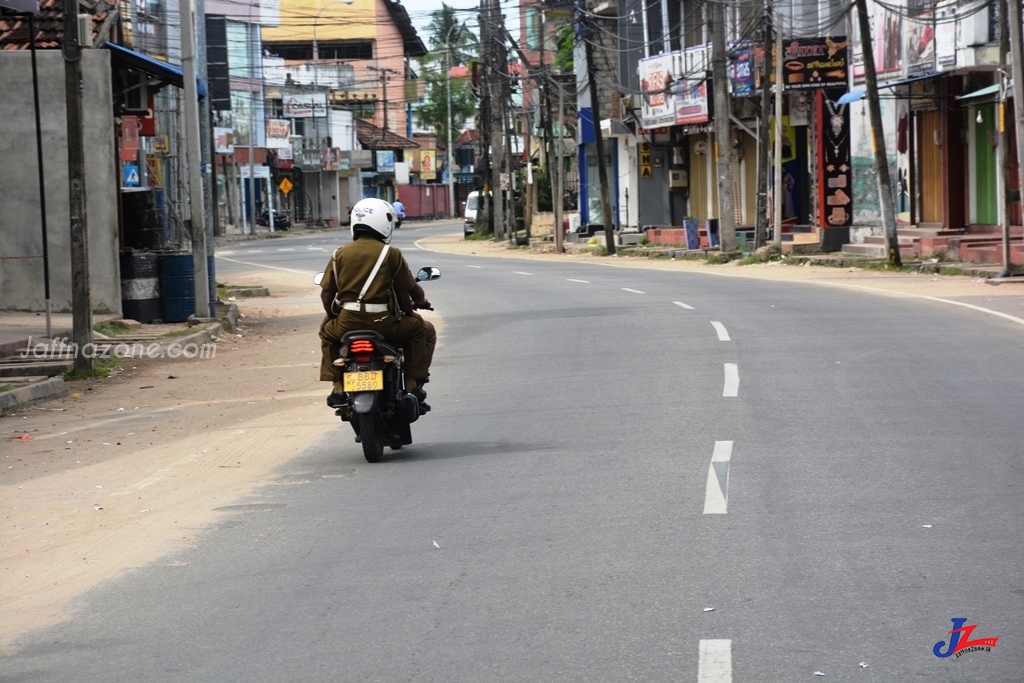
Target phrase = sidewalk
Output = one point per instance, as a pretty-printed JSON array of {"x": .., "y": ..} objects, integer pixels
[{"x": 32, "y": 363}]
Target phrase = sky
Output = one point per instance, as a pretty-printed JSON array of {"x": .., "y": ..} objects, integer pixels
[{"x": 468, "y": 10}]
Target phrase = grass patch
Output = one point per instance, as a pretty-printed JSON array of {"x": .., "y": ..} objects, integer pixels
[
  {"x": 100, "y": 368},
  {"x": 478, "y": 235},
  {"x": 5, "y": 387},
  {"x": 887, "y": 267},
  {"x": 108, "y": 329},
  {"x": 950, "y": 270}
]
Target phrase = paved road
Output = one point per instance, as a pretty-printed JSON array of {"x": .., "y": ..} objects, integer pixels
[{"x": 627, "y": 475}]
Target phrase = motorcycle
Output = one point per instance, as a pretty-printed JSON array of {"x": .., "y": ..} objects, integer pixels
[
  {"x": 378, "y": 405},
  {"x": 281, "y": 219}
]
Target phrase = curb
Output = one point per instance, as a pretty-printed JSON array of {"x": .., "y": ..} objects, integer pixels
[{"x": 50, "y": 388}]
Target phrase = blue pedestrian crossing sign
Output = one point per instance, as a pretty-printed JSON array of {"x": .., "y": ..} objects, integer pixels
[{"x": 131, "y": 176}]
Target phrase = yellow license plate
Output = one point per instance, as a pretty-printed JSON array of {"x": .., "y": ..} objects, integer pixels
[{"x": 372, "y": 380}]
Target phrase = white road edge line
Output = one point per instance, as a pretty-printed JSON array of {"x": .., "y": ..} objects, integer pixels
[
  {"x": 732, "y": 380},
  {"x": 469, "y": 266},
  {"x": 723, "y": 334},
  {"x": 586, "y": 282},
  {"x": 715, "y": 663},
  {"x": 682, "y": 305},
  {"x": 260, "y": 265},
  {"x": 716, "y": 495},
  {"x": 635, "y": 291}
]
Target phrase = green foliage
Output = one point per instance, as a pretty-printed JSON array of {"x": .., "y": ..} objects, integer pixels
[{"x": 565, "y": 37}]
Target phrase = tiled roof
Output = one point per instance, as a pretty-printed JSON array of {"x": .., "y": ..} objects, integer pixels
[
  {"x": 372, "y": 137},
  {"x": 14, "y": 28}
]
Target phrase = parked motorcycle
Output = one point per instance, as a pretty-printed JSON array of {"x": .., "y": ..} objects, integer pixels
[
  {"x": 378, "y": 406},
  {"x": 281, "y": 219}
]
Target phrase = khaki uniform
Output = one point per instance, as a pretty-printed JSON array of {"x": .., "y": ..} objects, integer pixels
[{"x": 346, "y": 273}]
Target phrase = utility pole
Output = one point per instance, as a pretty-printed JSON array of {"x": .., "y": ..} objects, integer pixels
[
  {"x": 205, "y": 151},
  {"x": 1016, "y": 23},
  {"x": 485, "y": 210},
  {"x": 777, "y": 152},
  {"x": 200, "y": 283},
  {"x": 723, "y": 128},
  {"x": 1003, "y": 136},
  {"x": 602, "y": 170},
  {"x": 496, "y": 73},
  {"x": 81, "y": 301},
  {"x": 761, "y": 228},
  {"x": 558, "y": 190},
  {"x": 885, "y": 198}
]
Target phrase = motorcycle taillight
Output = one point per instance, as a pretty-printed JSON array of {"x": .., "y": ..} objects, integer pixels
[{"x": 361, "y": 347}]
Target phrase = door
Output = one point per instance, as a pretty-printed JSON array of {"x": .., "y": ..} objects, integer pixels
[
  {"x": 929, "y": 170},
  {"x": 986, "y": 210}
]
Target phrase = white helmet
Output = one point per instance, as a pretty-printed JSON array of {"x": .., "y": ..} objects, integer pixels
[{"x": 375, "y": 214}]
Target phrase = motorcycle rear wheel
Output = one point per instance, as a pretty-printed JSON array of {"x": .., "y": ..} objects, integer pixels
[{"x": 371, "y": 430}]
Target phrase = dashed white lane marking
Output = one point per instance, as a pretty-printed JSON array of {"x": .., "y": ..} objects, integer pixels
[
  {"x": 225, "y": 253},
  {"x": 635, "y": 291},
  {"x": 715, "y": 664},
  {"x": 252, "y": 251},
  {"x": 680, "y": 304},
  {"x": 474, "y": 266},
  {"x": 723, "y": 334},
  {"x": 262, "y": 265},
  {"x": 312, "y": 248},
  {"x": 716, "y": 495},
  {"x": 519, "y": 272},
  {"x": 732, "y": 380},
  {"x": 586, "y": 282},
  {"x": 285, "y": 249}
]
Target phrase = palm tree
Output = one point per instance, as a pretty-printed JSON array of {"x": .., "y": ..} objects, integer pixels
[{"x": 450, "y": 39}]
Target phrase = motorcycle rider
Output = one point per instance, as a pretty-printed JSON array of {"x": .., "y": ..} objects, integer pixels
[
  {"x": 399, "y": 211},
  {"x": 390, "y": 291}
]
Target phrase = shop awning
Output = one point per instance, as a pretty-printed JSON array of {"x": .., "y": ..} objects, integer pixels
[
  {"x": 859, "y": 93},
  {"x": 989, "y": 90},
  {"x": 168, "y": 73}
]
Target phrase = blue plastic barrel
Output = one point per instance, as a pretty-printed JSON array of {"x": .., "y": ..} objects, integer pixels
[{"x": 177, "y": 286}]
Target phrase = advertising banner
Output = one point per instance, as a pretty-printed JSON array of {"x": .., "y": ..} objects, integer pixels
[
  {"x": 741, "y": 70},
  {"x": 691, "y": 99},
  {"x": 815, "y": 62},
  {"x": 658, "y": 108},
  {"x": 385, "y": 161},
  {"x": 428, "y": 168},
  {"x": 305, "y": 106}
]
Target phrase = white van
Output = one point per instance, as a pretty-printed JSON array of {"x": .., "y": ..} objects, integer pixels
[{"x": 472, "y": 206}]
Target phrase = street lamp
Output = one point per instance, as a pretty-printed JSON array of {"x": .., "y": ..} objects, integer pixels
[
  {"x": 451, "y": 152},
  {"x": 316, "y": 87}
]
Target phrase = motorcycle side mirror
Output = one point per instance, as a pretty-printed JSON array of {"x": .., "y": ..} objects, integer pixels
[
  {"x": 318, "y": 278},
  {"x": 428, "y": 274}
]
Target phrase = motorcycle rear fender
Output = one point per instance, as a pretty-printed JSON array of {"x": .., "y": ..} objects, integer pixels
[{"x": 362, "y": 402}]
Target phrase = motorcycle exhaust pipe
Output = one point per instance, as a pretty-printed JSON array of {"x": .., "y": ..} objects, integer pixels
[{"x": 411, "y": 408}]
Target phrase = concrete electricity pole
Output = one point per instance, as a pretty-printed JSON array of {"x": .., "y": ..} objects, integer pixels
[
  {"x": 723, "y": 128},
  {"x": 1016, "y": 23},
  {"x": 761, "y": 228},
  {"x": 201, "y": 285},
  {"x": 885, "y": 198},
  {"x": 602, "y": 169},
  {"x": 81, "y": 302}
]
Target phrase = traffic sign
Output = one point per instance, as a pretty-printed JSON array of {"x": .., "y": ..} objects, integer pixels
[
  {"x": 131, "y": 176},
  {"x": 285, "y": 186}
]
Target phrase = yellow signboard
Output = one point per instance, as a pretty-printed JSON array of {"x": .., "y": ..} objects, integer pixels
[
  {"x": 645, "y": 160},
  {"x": 428, "y": 169},
  {"x": 285, "y": 186}
]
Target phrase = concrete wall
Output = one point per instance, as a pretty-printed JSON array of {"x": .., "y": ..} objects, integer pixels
[{"x": 21, "y": 279}]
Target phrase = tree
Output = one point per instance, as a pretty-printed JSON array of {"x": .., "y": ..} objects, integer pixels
[
  {"x": 451, "y": 38},
  {"x": 433, "y": 111},
  {"x": 452, "y": 44}
]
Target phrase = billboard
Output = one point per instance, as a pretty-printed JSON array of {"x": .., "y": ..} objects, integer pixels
[{"x": 658, "y": 108}]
